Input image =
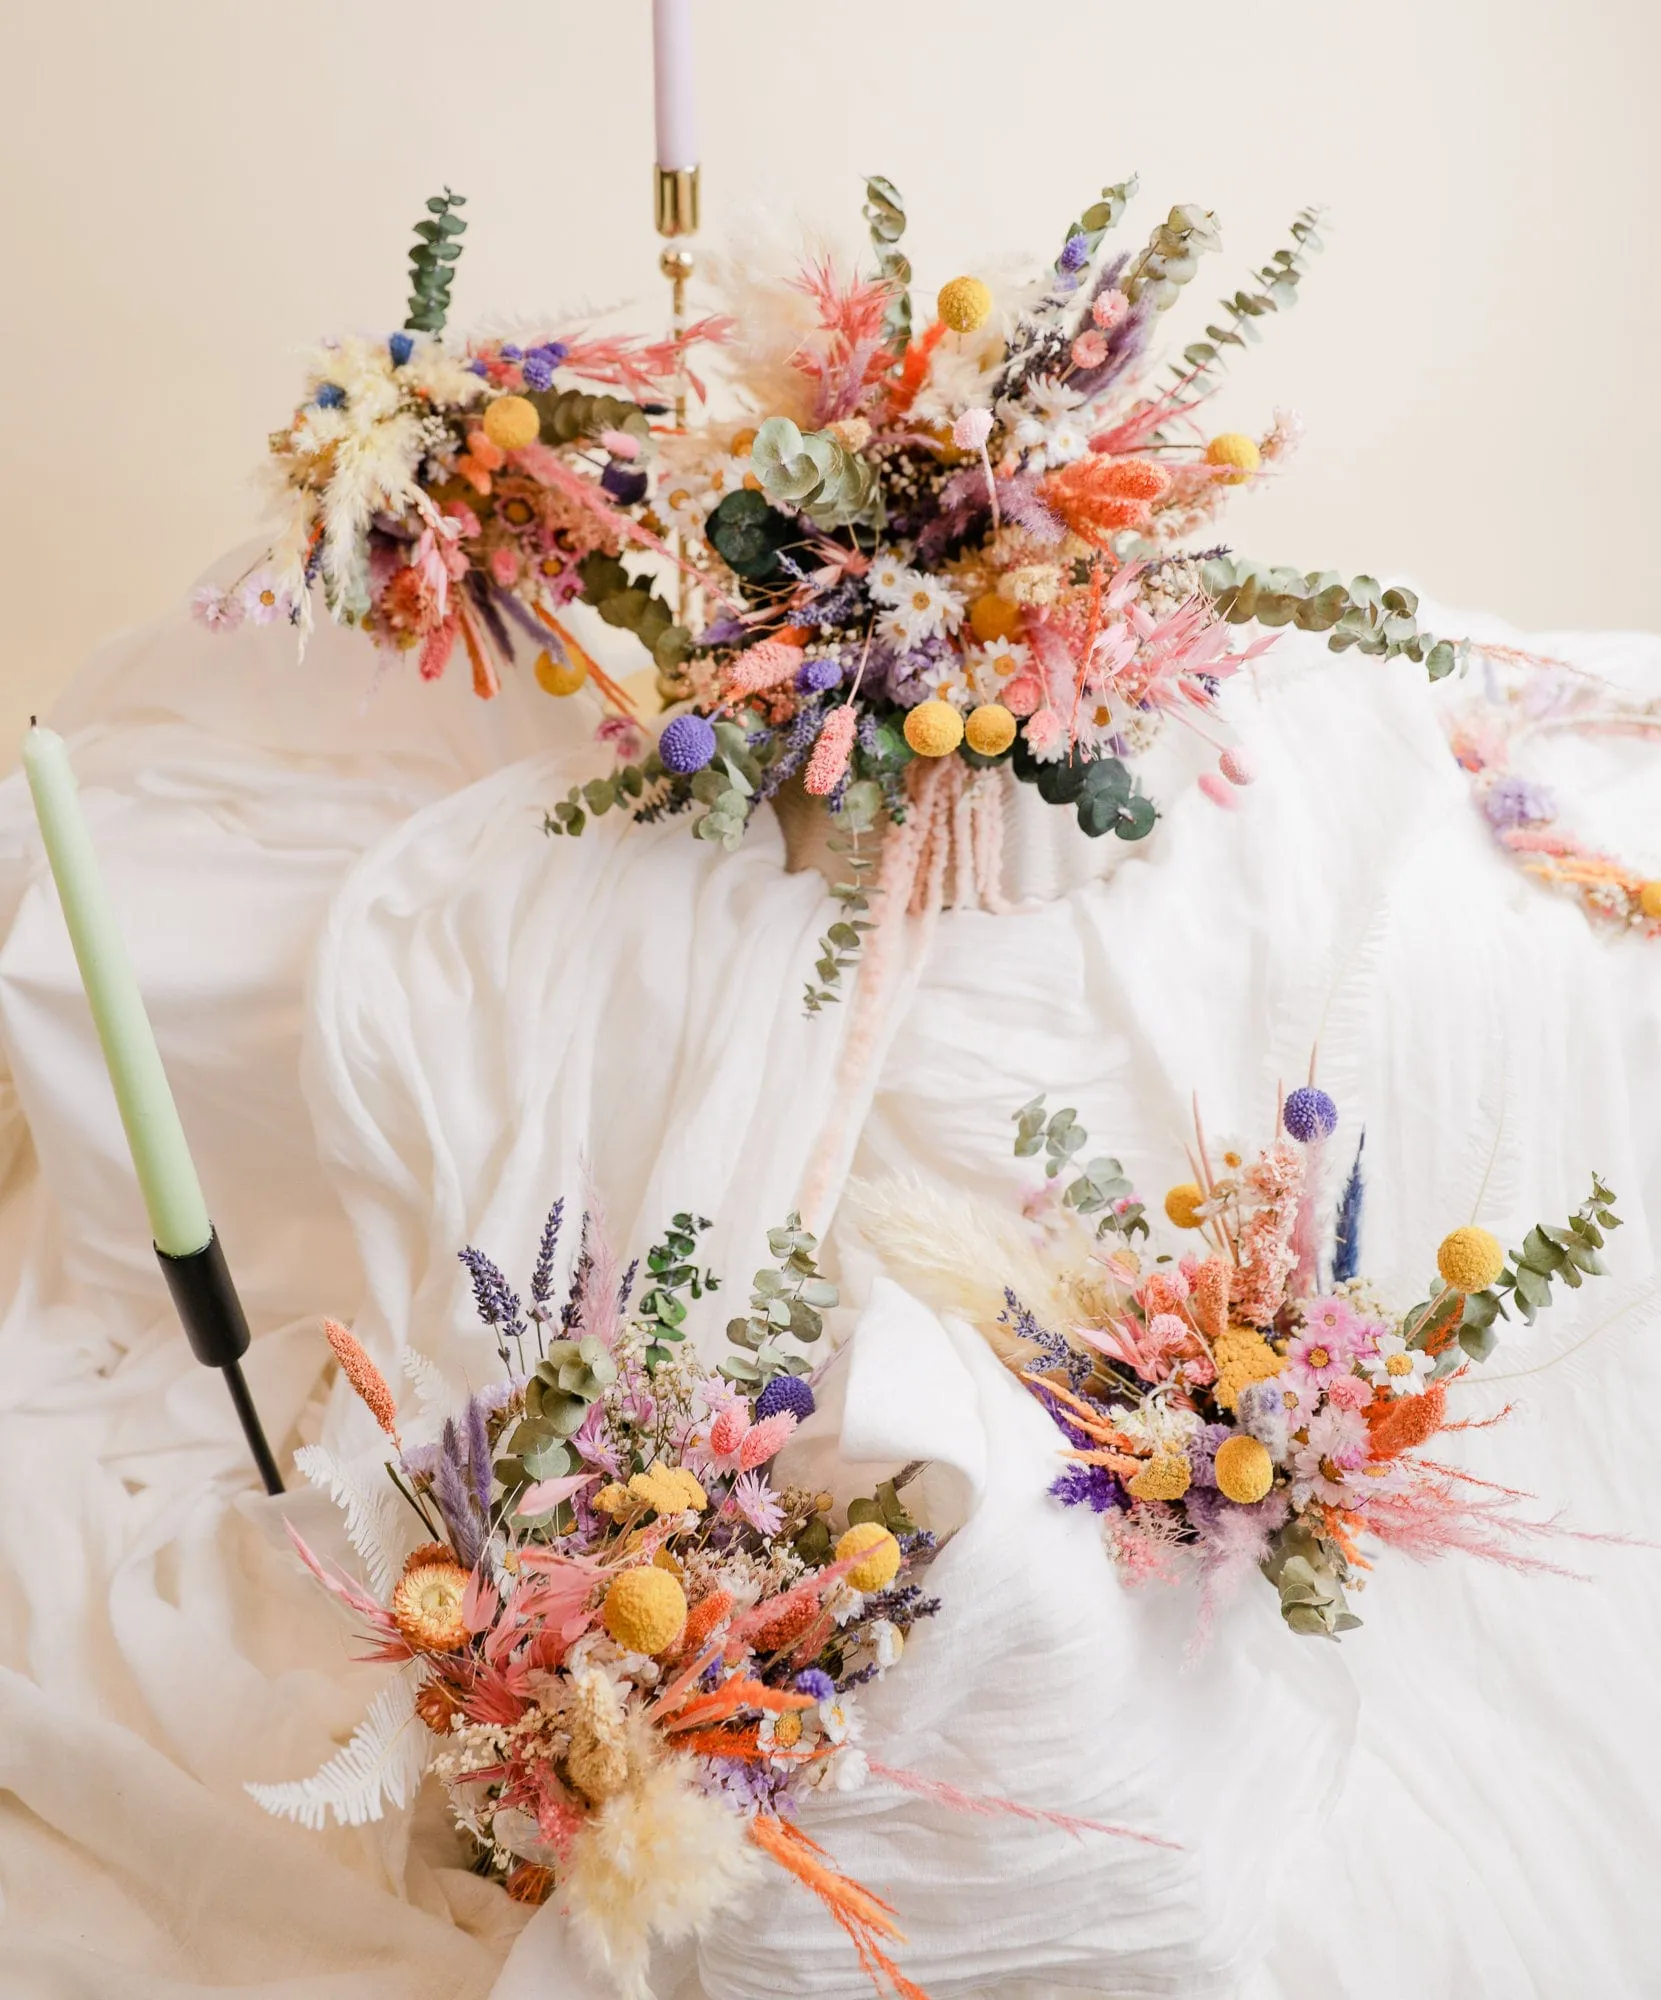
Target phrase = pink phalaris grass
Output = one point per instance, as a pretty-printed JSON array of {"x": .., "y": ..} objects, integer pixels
[
  {"x": 768, "y": 665},
  {"x": 829, "y": 761},
  {"x": 762, "y": 1441},
  {"x": 364, "y": 1376}
]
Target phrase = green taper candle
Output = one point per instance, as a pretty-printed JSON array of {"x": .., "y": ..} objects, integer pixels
[{"x": 166, "y": 1173}]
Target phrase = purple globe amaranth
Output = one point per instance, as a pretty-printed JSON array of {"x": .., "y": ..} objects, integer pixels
[
  {"x": 686, "y": 745},
  {"x": 625, "y": 485},
  {"x": 785, "y": 1392},
  {"x": 814, "y": 676},
  {"x": 1309, "y": 1114},
  {"x": 816, "y": 1682}
]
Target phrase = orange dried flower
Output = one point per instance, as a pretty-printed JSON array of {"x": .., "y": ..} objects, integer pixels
[
  {"x": 786, "y": 1628},
  {"x": 429, "y": 1552},
  {"x": 1098, "y": 495},
  {"x": 426, "y": 1607},
  {"x": 530, "y": 1883},
  {"x": 1210, "y": 1298},
  {"x": 702, "y": 1620},
  {"x": 1403, "y": 1422},
  {"x": 435, "y": 1704},
  {"x": 364, "y": 1376}
]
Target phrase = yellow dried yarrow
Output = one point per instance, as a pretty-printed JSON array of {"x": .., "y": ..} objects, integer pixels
[
  {"x": 1243, "y": 1356},
  {"x": 1166, "y": 1476}
]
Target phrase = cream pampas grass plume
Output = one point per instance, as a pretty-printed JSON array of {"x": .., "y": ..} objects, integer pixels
[
  {"x": 959, "y": 1255},
  {"x": 658, "y": 1861}
]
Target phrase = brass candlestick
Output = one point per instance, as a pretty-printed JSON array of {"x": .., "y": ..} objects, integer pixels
[{"x": 676, "y": 207}]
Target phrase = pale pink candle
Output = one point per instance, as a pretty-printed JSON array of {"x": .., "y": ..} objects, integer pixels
[{"x": 677, "y": 124}]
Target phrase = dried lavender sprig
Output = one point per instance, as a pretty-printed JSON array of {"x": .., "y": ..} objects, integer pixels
[
  {"x": 542, "y": 1278},
  {"x": 497, "y": 1302},
  {"x": 1056, "y": 1351},
  {"x": 625, "y": 1285}
]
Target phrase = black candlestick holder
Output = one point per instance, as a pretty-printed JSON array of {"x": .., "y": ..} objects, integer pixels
[{"x": 217, "y": 1329}]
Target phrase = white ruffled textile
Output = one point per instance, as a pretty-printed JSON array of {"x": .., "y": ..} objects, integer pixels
[{"x": 1459, "y": 1799}]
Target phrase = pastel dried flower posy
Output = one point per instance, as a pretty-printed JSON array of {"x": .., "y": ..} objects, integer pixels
[{"x": 630, "y": 1650}]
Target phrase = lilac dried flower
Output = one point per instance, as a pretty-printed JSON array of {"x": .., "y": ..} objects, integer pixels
[
  {"x": 479, "y": 1464},
  {"x": 1091, "y": 1486},
  {"x": 497, "y": 1302},
  {"x": 542, "y": 1278},
  {"x": 1513, "y": 801},
  {"x": 455, "y": 1502}
]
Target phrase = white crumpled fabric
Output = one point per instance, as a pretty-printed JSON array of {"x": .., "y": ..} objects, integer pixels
[{"x": 1460, "y": 1799}]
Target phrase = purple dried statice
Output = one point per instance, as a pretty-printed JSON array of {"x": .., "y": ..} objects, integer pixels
[{"x": 1512, "y": 801}]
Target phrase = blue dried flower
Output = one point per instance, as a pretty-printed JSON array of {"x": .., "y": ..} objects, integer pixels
[
  {"x": 785, "y": 1392},
  {"x": 511, "y": 353},
  {"x": 330, "y": 396},
  {"x": 478, "y": 367},
  {"x": 400, "y": 346},
  {"x": 816, "y": 1682},
  {"x": 625, "y": 485},
  {"x": 686, "y": 745},
  {"x": 1309, "y": 1114},
  {"x": 814, "y": 676}
]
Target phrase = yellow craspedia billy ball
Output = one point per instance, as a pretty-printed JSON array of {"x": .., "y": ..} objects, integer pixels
[
  {"x": 879, "y": 1551},
  {"x": 560, "y": 676},
  {"x": 1649, "y": 900},
  {"x": 1244, "y": 1469},
  {"x": 1237, "y": 451},
  {"x": 964, "y": 304},
  {"x": 934, "y": 728},
  {"x": 990, "y": 729},
  {"x": 992, "y": 618},
  {"x": 1166, "y": 1476},
  {"x": 1470, "y": 1260},
  {"x": 511, "y": 423},
  {"x": 1182, "y": 1204},
  {"x": 645, "y": 1610}
]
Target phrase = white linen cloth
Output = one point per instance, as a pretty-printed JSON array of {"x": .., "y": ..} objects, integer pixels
[{"x": 486, "y": 1008}]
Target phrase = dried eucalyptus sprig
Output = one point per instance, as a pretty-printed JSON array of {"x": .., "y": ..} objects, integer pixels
[
  {"x": 432, "y": 263},
  {"x": 885, "y": 212},
  {"x": 1099, "y": 1187},
  {"x": 1569, "y": 1253},
  {"x": 817, "y": 473},
  {"x": 839, "y": 948},
  {"x": 1277, "y": 292},
  {"x": 633, "y": 605},
  {"x": 661, "y": 1311},
  {"x": 785, "y": 1305},
  {"x": 1360, "y": 613},
  {"x": 1172, "y": 256}
]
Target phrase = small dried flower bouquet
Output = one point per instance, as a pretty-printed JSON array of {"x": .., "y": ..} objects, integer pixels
[
  {"x": 628, "y": 1653},
  {"x": 1255, "y": 1402}
]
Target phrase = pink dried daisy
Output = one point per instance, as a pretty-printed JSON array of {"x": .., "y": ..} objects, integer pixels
[
  {"x": 757, "y": 1502},
  {"x": 1322, "y": 1352}
]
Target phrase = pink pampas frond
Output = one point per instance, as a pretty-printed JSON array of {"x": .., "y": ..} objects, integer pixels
[{"x": 996, "y": 1808}]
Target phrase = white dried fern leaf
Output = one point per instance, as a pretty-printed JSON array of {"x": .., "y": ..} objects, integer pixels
[
  {"x": 382, "y": 1765},
  {"x": 364, "y": 1494},
  {"x": 436, "y": 1396}
]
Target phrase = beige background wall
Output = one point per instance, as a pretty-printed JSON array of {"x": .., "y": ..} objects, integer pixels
[{"x": 195, "y": 188}]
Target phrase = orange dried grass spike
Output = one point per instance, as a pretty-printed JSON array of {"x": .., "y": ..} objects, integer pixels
[
  {"x": 732, "y": 1696},
  {"x": 702, "y": 1620},
  {"x": 866, "y": 1918},
  {"x": 1098, "y": 496},
  {"x": 1405, "y": 1422},
  {"x": 364, "y": 1376},
  {"x": 916, "y": 365},
  {"x": 1209, "y": 1301},
  {"x": 485, "y": 682}
]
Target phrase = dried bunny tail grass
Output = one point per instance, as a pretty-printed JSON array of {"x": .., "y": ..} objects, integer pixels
[
  {"x": 364, "y": 1376},
  {"x": 658, "y": 1861},
  {"x": 958, "y": 1254}
]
